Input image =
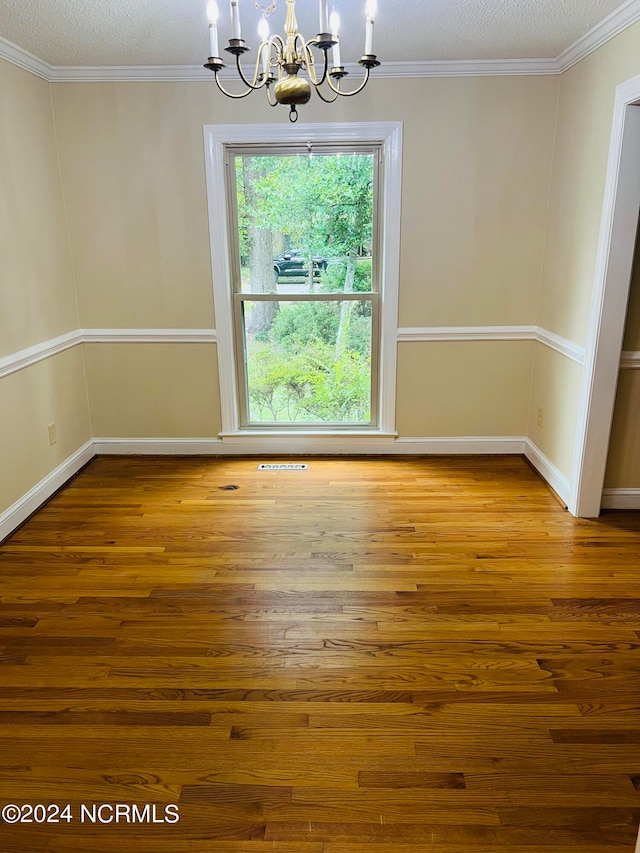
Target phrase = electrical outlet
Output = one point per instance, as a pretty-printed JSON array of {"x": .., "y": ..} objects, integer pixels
[
  {"x": 539, "y": 416},
  {"x": 52, "y": 434}
]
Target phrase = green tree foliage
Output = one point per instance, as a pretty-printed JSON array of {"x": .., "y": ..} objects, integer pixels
[
  {"x": 311, "y": 362},
  {"x": 293, "y": 375},
  {"x": 322, "y": 204},
  {"x": 334, "y": 276},
  {"x": 309, "y": 387}
]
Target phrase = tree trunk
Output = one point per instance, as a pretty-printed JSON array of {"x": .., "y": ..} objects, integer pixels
[
  {"x": 346, "y": 309},
  {"x": 262, "y": 279},
  {"x": 261, "y": 276},
  {"x": 311, "y": 279}
]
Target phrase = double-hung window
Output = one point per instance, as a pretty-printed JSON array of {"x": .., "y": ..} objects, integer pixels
[{"x": 305, "y": 279}]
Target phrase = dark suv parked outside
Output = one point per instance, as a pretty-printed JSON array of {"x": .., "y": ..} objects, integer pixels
[{"x": 294, "y": 263}]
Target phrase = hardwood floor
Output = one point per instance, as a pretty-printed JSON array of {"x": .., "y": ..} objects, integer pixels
[{"x": 370, "y": 656}]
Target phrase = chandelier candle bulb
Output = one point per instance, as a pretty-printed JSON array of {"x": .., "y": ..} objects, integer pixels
[
  {"x": 235, "y": 20},
  {"x": 212, "y": 14},
  {"x": 324, "y": 25},
  {"x": 371, "y": 14},
  {"x": 335, "y": 27},
  {"x": 263, "y": 33}
]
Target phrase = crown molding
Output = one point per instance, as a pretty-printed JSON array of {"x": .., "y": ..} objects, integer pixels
[
  {"x": 130, "y": 74},
  {"x": 23, "y": 59},
  {"x": 389, "y": 70},
  {"x": 464, "y": 68},
  {"x": 625, "y": 16}
]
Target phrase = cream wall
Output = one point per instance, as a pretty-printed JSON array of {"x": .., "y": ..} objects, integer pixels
[
  {"x": 153, "y": 390},
  {"x": 52, "y": 390},
  {"x": 477, "y": 159},
  {"x": 133, "y": 170},
  {"x": 502, "y": 195},
  {"x": 460, "y": 388},
  {"x": 37, "y": 296},
  {"x": 477, "y": 163},
  {"x": 36, "y": 276},
  {"x": 585, "y": 116},
  {"x": 632, "y": 325},
  {"x": 555, "y": 388},
  {"x": 623, "y": 464}
]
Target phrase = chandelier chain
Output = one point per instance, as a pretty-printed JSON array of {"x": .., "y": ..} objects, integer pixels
[{"x": 266, "y": 10}]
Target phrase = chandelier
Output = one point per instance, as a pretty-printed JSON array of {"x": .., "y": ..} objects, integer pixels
[{"x": 279, "y": 60}]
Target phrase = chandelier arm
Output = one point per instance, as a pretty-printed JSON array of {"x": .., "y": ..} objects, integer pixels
[
  {"x": 255, "y": 85},
  {"x": 272, "y": 103},
  {"x": 324, "y": 98},
  {"x": 338, "y": 91},
  {"x": 311, "y": 65},
  {"x": 278, "y": 42},
  {"x": 299, "y": 43},
  {"x": 231, "y": 94}
]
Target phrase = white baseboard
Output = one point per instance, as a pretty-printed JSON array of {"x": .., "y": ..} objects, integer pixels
[
  {"x": 463, "y": 445},
  {"x": 158, "y": 446},
  {"x": 42, "y": 491},
  {"x": 547, "y": 470},
  {"x": 621, "y": 499},
  {"x": 311, "y": 444},
  {"x": 289, "y": 445}
]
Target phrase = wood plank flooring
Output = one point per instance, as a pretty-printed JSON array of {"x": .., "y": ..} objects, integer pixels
[{"x": 370, "y": 656}]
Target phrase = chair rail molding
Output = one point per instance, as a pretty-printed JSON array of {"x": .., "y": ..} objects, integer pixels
[
  {"x": 39, "y": 352},
  {"x": 494, "y": 333}
]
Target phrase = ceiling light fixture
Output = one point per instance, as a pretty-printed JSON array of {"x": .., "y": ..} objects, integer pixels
[{"x": 279, "y": 60}]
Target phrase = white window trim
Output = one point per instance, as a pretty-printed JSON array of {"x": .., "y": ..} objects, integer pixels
[{"x": 389, "y": 134}]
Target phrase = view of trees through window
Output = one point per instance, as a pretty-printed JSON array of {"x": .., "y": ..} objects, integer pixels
[{"x": 306, "y": 297}]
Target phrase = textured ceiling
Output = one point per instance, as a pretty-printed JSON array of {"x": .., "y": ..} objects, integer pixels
[{"x": 174, "y": 32}]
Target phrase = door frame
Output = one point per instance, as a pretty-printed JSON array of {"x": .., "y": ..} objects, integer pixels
[{"x": 610, "y": 296}]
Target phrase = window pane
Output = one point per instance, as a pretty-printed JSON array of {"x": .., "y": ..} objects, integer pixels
[
  {"x": 302, "y": 213},
  {"x": 308, "y": 362}
]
